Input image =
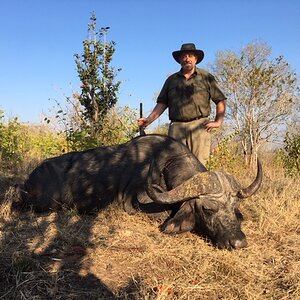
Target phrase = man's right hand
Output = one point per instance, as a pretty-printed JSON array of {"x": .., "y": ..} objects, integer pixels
[
  {"x": 156, "y": 112},
  {"x": 143, "y": 122}
]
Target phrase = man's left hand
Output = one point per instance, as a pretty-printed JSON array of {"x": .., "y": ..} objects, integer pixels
[{"x": 211, "y": 125}]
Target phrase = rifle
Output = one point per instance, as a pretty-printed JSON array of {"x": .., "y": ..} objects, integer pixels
[{"x": 142, "y": 129}]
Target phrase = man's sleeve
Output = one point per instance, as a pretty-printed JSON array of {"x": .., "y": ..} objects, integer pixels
[
  {"x": 163, "y": 95},
  {"x": 216, "y": 94}
]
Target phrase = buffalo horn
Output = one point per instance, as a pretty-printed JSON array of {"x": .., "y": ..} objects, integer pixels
[
  {"x": 254, "y": 186},
  {"x": 199, "y": 184}
]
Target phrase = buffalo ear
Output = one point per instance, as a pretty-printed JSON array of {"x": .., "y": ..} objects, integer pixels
[
  {"x": 184, "y": 220},
  {"x": 143, "y": 196}
]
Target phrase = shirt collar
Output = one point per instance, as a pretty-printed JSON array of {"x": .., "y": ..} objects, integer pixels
[{"x": 194, "y": 74}]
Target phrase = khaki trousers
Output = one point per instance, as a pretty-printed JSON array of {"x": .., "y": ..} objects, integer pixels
[{"x": 194, "y": 135}]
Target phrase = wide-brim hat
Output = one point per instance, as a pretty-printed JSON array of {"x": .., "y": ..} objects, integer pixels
[{"x": 189, "y": 47}]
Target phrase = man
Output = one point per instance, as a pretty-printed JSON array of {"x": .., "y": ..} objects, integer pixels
[{"x": 187, "y": 96}]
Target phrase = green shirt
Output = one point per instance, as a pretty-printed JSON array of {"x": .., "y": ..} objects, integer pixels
[{"x": 190, "y": 99}]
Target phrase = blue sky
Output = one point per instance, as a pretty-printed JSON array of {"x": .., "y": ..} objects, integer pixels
[{"x": 39, "y": 39}]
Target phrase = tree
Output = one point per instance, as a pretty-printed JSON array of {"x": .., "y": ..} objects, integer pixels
[
  {"x": 90, "y": 117},
  {"x": 98, "y": 88},
  {"x": 262, "y": 94}
]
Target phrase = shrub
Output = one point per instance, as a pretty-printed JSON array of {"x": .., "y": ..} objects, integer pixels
[
  {"x": 20, "y": 143},
  {"x": 290, "y": 154},
  {"x": 11, "y": 140},
  {"x": 119, "y": 126},
  {"x": 225, "y": 155}
]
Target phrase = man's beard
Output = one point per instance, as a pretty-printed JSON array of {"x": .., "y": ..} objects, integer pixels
[{"x": 187, "y": 66}]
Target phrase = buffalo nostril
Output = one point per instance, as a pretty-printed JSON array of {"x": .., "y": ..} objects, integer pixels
[{"x": 238, "y": 244}]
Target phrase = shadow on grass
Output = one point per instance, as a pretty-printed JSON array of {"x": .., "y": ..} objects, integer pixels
[{"x": 44, "y": 256}]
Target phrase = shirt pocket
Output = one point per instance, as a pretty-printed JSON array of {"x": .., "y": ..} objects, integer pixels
[
  {"x": 172, "y": 92},
  {"x": 201, "y": 95}
]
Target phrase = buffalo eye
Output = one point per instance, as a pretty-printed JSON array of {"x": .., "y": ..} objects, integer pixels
[
  {"x": 210, "y": 207},
  {"x": 208, "y": 212}
]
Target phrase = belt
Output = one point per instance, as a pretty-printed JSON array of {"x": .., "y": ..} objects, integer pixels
[{"x": 190, "y": 120}]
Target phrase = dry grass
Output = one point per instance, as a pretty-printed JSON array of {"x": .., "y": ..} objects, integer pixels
[{"x": 112, "y": 255}]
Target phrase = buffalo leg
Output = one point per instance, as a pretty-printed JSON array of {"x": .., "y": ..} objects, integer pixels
[{"x": 184, "y": 219}]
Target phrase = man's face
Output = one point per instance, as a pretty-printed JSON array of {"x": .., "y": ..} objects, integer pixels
[{"x": 188, "y": 61}]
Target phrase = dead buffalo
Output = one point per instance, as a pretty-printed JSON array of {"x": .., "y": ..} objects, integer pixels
[{"x": 153, "y": 173}]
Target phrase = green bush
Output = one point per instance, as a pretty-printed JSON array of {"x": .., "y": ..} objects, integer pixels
[
  {"x": 42, "y": 142},
  {"x": 20, "y": 143},
  {"x": 119, "y": 126},
  {"x": 225, "y": 155},
  {"x": 11, "y": 140},
  {"x": 290, "y": 154}
]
